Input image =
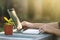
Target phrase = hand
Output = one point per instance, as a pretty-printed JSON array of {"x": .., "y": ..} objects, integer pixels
[
  {"x": 26, "y": 24},
  {"x": 49, "y": 28}
]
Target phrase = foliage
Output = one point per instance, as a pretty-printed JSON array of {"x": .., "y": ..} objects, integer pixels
[{"x": 9, "y": 21}]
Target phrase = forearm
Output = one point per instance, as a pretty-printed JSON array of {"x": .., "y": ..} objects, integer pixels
[
  {"x": 37, "y": 25},
  {"x": 57, "y": 32},
  {"x": 54, "y": 24},
  {"x": 34, "y": 25}
]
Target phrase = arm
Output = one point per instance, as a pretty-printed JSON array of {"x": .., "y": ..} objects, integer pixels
[
  {"x": 53, "y": 24},
  {"x": 57, "y": 32},
  {"x": 51, "y": 28},
  {"x": 31, "y": 25},
  {"x": 38, "y": 25}
]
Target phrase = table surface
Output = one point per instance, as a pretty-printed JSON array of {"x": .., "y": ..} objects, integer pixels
[{"x": 22, "y": 36}]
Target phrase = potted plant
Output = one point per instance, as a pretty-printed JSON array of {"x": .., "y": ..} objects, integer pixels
[{"x": 8, "y": 26}]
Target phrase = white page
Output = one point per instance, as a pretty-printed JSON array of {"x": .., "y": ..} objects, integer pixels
[{"x": 31, "y": 31}]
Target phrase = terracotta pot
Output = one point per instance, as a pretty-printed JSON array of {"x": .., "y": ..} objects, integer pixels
[{"x": 8, "y": 29}]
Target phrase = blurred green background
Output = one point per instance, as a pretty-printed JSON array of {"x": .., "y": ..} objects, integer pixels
[
  {"x": 32, "y": 10},
  {"x": 38, "y": 10}
]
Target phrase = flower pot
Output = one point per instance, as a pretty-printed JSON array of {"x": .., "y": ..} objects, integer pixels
[{"x": 8, "y": 29}]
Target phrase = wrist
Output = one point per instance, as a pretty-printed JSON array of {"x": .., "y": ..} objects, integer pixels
[{"x": 29, "y": 25}]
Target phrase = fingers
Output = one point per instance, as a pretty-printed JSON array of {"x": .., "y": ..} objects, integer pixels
[
  {"x": 42, "y": 28},
  {"x": 47, "y": 28},
  {"x": 25, "y": 24}
]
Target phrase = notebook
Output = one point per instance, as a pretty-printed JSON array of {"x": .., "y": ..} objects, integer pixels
[{"x": 31, "y": 31}]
